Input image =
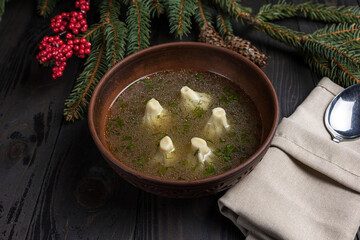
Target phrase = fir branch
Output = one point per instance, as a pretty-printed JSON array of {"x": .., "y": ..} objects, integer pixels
[
  {"x": 156, "y": 7},
  {"x": 346, "y": 75},
  {"x": 283, "y": 34},
  {"x": 224, "y": 26},
  {"x": 329, "y": 42},
  {"x": 234, "y": 9},
  {"x": 115, "y": 35},
  {"x": 180, "y": 13},
  {"x": 93, "y": 30},
  {"x": 46, "y": 7},
  {"x": 333, "y": 14},
  {"x": 319, "y": 65},
  {"x": 115, "y": 31},
  {"x": 95, "y": 67},
  {"x": 2, "y": 7},
  {"x": 281, "y": 10},
  {"x": 138, "y": 21},
  {"x": 203, "y": 15}
]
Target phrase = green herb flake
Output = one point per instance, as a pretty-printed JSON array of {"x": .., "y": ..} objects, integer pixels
[
  {"x": 160, "y": 80},
  {"x": 113, "y": 131},
  {"x": 224, "y": 99},
  {"x": 126, "y": 138},
  {"x": 185, "y": 163},
  {"x": 130, "y": 146},
  {"x": 225, "y": 153},
  {"x": 174, "y": 112},
  {"x": 161, "y": 169},
  {"x": 149, "y": 83},
  {"x": 199, "y": 76},
  {"x": 198, "y": 111},
  {"x": 172, "y": 104},
  {"x": 209, "y": 170},
  {"x": 140, "y": 160},
  {"x": 186, "y": 127},
  {"x": 118, "y": 122},
  {"x": 224, "y": 169}
]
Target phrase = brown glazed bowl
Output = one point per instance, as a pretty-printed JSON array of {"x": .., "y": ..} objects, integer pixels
[{"x": 192, "y": 56}]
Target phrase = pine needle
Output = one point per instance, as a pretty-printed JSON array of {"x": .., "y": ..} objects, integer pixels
[
  {"x": 329, "y": 42},
  {"x": 2, "y": 7},
  {"x": 331, "y": 14},
  {"x": 46, "y": 7},
  {"x": 281, "y": 10},
  {"x": 138, "y": 21},
  {"x": 180, "y": 13},
  {"x": 203, "y": 15},
  {"x": 283, "y": 34},
  {"x": 156, "y": 7},
  {"x": 95, "y": 67},
  {"x": 115, "y": 31},
  {"x": 234, "y": 9},
  {"x": 223, "y": 24}
]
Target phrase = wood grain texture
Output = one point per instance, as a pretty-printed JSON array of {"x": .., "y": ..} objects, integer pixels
[{"x": 54, "y": 183}]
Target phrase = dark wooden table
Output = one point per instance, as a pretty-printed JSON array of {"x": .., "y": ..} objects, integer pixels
[{"x": 53, "y": 182}]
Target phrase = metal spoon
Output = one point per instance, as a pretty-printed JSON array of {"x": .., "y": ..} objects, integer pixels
[{"x": 342, "y": 116}]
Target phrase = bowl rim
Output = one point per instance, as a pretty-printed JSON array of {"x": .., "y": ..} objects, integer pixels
[{"x": 157, "y": 180}]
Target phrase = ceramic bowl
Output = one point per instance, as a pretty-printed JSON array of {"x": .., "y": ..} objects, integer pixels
[{"x": 192, "y": 56}]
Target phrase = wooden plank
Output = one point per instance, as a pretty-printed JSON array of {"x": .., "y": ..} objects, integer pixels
[{"x": 54, "y": 182}]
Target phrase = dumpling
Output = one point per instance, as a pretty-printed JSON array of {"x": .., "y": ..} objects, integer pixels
[
  {"x": 201, "y": 150},
  {"x": 217, "y": 125},
  {"x": 191, "y": 99},
  {"x": 153, "y": 113},
  {"x": 166, "y": 151}
]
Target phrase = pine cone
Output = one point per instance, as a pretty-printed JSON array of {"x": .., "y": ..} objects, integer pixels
[
  {"x": 209, "y": 35},
  {"x": 245, "y": 48}
]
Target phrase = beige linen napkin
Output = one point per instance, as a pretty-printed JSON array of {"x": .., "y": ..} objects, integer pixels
[{"x": 306, "y": 186}]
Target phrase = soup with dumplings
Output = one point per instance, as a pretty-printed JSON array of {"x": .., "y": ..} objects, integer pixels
[{"x": 183, "y": 125}]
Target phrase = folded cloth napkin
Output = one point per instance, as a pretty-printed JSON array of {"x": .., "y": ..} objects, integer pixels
[{"x": 306, "y": 186}]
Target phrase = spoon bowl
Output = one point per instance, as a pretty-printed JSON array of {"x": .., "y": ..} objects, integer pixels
[{"x": 342, "y": 116}]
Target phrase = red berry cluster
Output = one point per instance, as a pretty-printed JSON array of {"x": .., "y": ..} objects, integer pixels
[
  {"x": 83, "y": 5},
  {"x": 72, "y": 21},
  {"x": 55, "y": 50}
]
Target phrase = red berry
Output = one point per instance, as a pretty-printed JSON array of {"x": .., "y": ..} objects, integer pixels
[
  {"x": 69, "y": 36},
  {"x": 80, "y": 16},
  {"x": 87, "y": 51},
  {"x": 59, "y": 73}
]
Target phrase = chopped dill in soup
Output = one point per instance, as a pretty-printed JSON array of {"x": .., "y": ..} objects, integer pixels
[{"x": 183, "y": 125}]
